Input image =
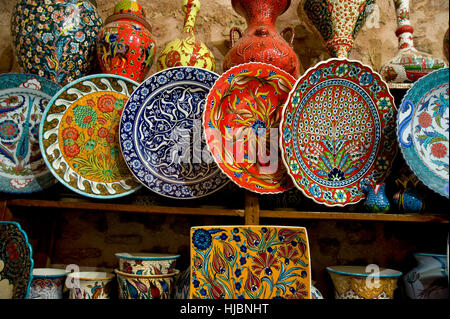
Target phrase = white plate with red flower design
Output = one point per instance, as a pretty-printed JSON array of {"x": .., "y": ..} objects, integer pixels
[{"x": 422, "y": 127}]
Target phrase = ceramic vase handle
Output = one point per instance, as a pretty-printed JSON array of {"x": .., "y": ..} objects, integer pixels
[
  {"x": 232, "y": 31},
  {"x": 291, "y": 30}
]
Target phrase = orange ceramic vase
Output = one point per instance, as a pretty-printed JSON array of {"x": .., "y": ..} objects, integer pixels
[
  {"x": 261, "y": 41},
  {"x": 125, "y": 45}
]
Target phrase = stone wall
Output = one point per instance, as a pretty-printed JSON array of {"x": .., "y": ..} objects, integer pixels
[{"x": 375, "y": 44}]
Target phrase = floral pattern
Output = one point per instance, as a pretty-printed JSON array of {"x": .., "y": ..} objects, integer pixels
[
  {"x": 23, "y": 98},
  {"x": 145, "y": 287},
  {"x": 249, "y": 262},
  {"x": 55, "y": 38},
  {"x": 16, "y": 263},
  {"x": 409, "y": 64},
  {"x": 338, "y": 22},
  {"x": 187, "y": 50},
  {"x": 243, "y": 109},
  {"x": 161, "y": 134},
  {"x": 423, "y": 128},
  {"x": 338, "y": 132},
  {"x": 125, "y": 45},
  {"x": 47, "y": 288},
  {"x": 93, "y": 289},
  {"x": 82, "y": 146}
]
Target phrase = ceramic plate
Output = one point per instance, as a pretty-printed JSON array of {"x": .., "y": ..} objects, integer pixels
[
  {"x": 79, "y": 136},
  {"x": 422, "y": 127},
  {"x": 338, "y": 131},
  {"x": 161, "y": 138},
  {"x": 16, "y": 263},
  {"x": 241, "y": 121},
  {"x": 23, "y": 98}
]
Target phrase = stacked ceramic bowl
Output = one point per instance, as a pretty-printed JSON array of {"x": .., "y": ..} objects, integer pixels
[
  {"x": 361, "y": 282},
  {"x": 146, "y": 275}
]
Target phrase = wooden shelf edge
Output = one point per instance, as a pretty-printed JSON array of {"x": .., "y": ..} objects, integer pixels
[
  {"x": 418, "y": 218},
  {"x": 126, "y": 207}
]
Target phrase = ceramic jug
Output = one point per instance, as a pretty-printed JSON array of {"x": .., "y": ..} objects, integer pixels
[
  {"x": 125, "y": 45},
  {"x": 55, "y": 38},
  {"x": 377, "y": 201},
  {"x": 407, "y": 199},
  {"x": 187, "y": 50},
  {"x": 261, "y": 41}
]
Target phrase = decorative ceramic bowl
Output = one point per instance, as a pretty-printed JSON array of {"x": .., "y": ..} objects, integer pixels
[
  {"x": 315, "y": 293},
  {"x": 353, "y": 282},
  {"x": 47, "y": 283},
  {"x": 90, "y": 285},
  {"x": 145, "y": 287},
  {"x": 16, "y": 261},
  {"x": 240, "y": 121},
  {"x": 147, "y": 263},
  {"x": 429, "y": 279},
  {"x": 250, "y": 262},
  {"x": 182, "y": 284}
]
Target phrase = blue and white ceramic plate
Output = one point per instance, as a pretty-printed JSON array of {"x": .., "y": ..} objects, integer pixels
[
  {"x": 161, "y": 134},
  {"x": 423, "y": 128},
  {"x": 16, "y": 262},
  {"x": 23, "y": 98}
]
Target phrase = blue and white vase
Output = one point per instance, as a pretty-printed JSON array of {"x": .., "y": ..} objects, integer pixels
[
  {"x": 376, "y": 200},
  {"x": 429, "y": 279}
]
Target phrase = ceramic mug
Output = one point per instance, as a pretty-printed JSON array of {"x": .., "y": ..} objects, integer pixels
[
  {"x": 47, "y": 283},
  {"x": 147, "y": 264},
  {"x": 145, "y": 287},
  {"x": 90, "y": 285}
]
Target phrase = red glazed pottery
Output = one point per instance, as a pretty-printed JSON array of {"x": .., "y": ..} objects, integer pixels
[
  {"x": 125, "y": 45},
  {"x": 261, "y": 41}
]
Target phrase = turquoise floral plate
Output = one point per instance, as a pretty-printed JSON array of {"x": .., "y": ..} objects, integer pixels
[
  {"x": 16, "y": 263},
  {"x": 23, "y": 98},
  {"x": 422, "y": 128}
]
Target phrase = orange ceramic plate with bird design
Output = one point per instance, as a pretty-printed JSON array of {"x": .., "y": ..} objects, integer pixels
[
  {"x": 79, "y": 136},
  {"x": 241, "y": 119}
]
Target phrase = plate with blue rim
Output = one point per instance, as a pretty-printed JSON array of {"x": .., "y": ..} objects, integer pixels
[
  {"x": 23, "y": 99},
  {"x": 161, "y": 134},
  {"x": 16, "y": 262},
  {"x": 423, "y": 128}
]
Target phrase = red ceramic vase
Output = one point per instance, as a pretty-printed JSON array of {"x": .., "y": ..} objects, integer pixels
[
  {"x": 261, "y": 41},
  {"x": 125, "y": 45}
]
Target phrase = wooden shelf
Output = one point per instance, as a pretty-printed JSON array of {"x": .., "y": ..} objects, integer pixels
[
  {"x": 417, "y": 218},
  {"x": 82, "y": 205},
  {"x": 251, "y": 213}
]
